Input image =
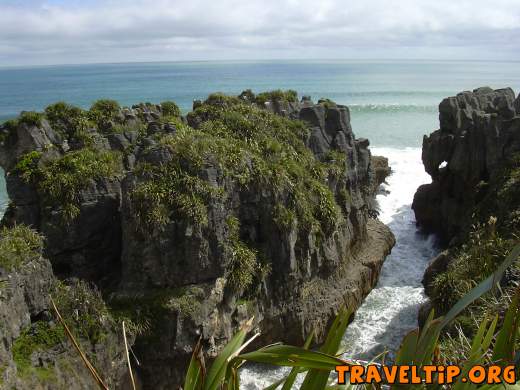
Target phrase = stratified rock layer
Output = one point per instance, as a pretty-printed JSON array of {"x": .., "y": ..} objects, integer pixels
[
  {"x": 34, "y": 350},
  {"x": 177, "y": 277},
  {"x": 479, "y": 130}
]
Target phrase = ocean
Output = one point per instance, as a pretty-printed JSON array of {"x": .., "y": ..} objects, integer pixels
[{"x": 392, "y": 103}]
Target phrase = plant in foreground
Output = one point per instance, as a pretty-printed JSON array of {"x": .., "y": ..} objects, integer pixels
[{"x": 491, "y": 345}]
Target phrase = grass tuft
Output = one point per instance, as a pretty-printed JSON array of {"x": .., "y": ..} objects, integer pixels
[{"x": 19, "y": 245}]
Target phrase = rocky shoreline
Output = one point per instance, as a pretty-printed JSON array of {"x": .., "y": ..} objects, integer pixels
[{"x": 257, "y": 206}]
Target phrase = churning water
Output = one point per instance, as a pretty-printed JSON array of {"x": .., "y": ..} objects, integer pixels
[{"x": 390, "y": 310}]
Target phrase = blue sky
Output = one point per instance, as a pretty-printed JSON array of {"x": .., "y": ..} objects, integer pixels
[{"x": 58, "y": 31}]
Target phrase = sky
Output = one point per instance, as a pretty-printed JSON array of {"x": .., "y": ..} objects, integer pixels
[{"x": 36, "y": 32}]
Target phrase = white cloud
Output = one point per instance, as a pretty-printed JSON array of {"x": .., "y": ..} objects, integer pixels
[{"x": 118, "y": 30}]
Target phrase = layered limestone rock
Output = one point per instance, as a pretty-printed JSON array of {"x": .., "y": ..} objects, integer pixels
[
  {"x": 478, "y": 132},
  {"x": 34, "y": 350},
  {"x": 471, "y": 202},
  {"x": 191, "y": 227}
]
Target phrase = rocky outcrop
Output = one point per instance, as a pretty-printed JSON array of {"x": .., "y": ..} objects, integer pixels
[
  {"x": 471, "y": 160},
  {"x": 231, "y": 240},
  {"x": 34, "y": 350},
  {"x": 479, "y": 131},
  {"x": 438, "y": 264}
]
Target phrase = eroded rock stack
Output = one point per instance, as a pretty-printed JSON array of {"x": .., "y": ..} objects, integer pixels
[
  {"x": 257, "y": 206},
  {"x": 479, "y": 131},
  {"x": 472, "y": 202},
  {"x": 35, "y": 352}
]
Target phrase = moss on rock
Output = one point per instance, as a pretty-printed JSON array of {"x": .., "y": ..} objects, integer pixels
[{"x": 38, "y": 337}]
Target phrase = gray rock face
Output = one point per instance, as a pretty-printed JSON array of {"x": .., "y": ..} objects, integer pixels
[
  {"x": 27, "y": 138},
  {"x": 311, "y": 276},
  {"x": 25, "y": 310},
  {"x": 310, "y": 279},
  {"x": 479, "y": 131},
  {"x": 95, "y": 234}
]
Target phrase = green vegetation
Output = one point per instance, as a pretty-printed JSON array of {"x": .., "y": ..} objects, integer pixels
[
  {"x": 30, "y": 118},
  {"x": 172, "y": 120},
  {"x": 169, "y": 108},
  {"x": 277, "y": 95},
  {"x": 494, "y": 233},
  {"x": 284, "y": 217},
  {"x": 253, "y": 147},
  {"x": 68, "y": 120},
  {"x": 73, "y": 123},
  {"x": 243, "y": 263},
  {"x": 474, "y": 261},
  {"x": 169, "y": 191},
  {"x": 188, "y": 302},
  {"x": 145, "y": 314},
  {"x": 27, "y": 166},
  {"x": 327, "y": 103},
  {"x": 84, "y": 311},
  {"x": 19, "y": 245},
  {"x": 60, "y": 181},
  {"x": 219, "y": 99},
  {"x": 38, "y": 337},
  {"x": 86, "y": 316},
  {"x": 3, "y": 367},
  {"x": 103, "y": 112}
]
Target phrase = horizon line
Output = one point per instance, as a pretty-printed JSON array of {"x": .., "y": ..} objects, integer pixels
[{"x": 369, "y": 59}]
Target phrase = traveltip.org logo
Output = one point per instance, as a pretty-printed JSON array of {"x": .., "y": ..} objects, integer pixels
[{"x": 442, "y": 375}]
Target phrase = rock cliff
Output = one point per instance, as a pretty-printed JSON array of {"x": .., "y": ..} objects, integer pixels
[
  {"x": 250, "y": 207},
  {"x": 473, "y": 200},
  {"x": 35, "y": 352},
  {"x": 479, "y": 131}
]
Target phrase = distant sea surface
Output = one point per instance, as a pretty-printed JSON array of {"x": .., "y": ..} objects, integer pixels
[{"x": 393, "y": 103}]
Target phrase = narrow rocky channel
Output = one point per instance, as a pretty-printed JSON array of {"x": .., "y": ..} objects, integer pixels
[{"x": 390, "y": 310}]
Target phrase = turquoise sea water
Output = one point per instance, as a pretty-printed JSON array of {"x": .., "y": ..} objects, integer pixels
[{"x": 393, "y": 102}]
